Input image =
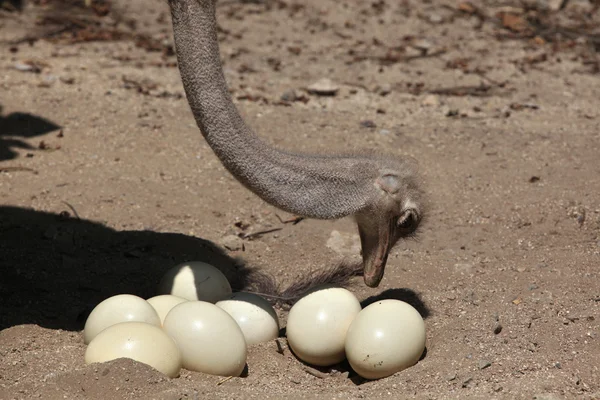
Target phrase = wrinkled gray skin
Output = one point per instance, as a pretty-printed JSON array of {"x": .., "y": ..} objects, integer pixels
[{"x": 382, "y": 193}]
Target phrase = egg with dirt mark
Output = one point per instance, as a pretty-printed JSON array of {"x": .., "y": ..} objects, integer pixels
[{"x": 139, "y": 341}]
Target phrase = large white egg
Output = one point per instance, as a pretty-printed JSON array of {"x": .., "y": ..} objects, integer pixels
[
  {"x": 384, "y": 338},
  {"x": 164, "y": 303},
  {"x": 115, "y": 309},
  {"x": 195, "y": 280},
  {"x": 317, "y": 325},
  {"x": 209, "y": 339},
  {"x": 255, "y": 316},
  {"x": 139, "y": 341}
]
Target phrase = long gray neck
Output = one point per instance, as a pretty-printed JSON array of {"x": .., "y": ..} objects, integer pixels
[{"x": 311, "y": 186}]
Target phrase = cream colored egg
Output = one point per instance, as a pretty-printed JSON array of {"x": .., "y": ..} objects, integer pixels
[
  {"x": 164, "y": 303},
  {"x": 139, "y": 341},
  {"x": 255, "y": 316},
  {"x": 195, "y": 280},
  {"x": 209, "y": 339},
  {"x": 115, "y": 309},
  {"x": 384, "y": 338},
  {"x": 317, "y": 325}
]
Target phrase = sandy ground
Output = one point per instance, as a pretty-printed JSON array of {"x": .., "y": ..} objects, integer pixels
[{"x": 106, "y": 183}]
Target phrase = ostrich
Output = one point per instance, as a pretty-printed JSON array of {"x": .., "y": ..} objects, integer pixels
[{"x": 382, "y": 193}]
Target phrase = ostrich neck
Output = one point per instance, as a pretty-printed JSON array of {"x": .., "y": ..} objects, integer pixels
[{"x": 312, "y": 186}]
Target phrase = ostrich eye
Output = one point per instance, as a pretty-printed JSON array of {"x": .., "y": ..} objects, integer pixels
[{"x": 408, "y": 221}]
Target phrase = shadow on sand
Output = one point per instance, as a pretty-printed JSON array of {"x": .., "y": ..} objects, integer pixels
[
  {"x": 54, "y": 268},
  {"x": 18, "y": 126}
]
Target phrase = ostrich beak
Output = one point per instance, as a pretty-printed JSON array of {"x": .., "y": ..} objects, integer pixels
[{"x": 376, "y": 240}]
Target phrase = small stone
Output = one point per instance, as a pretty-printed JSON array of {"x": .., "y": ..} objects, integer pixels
[
  {"x": 547, "y": 396},
  {"x": 483, "y": 364},
  {"x": 435, "y": 18},
  {"x": 345, "y": 374},
  {"x": 466, "y": 382},
  {"x": 323, "y": 87},
  {"x": 557, "y": 365},
  {"x": 422, "y": 44},
  {"x": 384, "y": 132},
  {"x": 451, "y": 377},
  {"x": 463, "y": 267},
  {"x": 23, "y": 67},
  {"x": 289, "y": 96},
  {"x": 412, "y": 51},
  {"x": 47, "y": 81},
  {"x": 368, "y": 124},
  {"x": 232, "y": 242},
  {"x": 385, "y": 89},
  {"x": 532, "y": 347},
  {"x": 431, "y": 100},
  {"x": 69, "y": 80}
]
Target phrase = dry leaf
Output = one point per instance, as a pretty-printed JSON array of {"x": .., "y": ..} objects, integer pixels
[
  {"x": 467, "y": 7},
  {"x": 514, "y": 22}
]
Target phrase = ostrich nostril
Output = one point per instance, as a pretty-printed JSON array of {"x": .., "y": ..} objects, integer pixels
[{"x": 408, "y": 220}]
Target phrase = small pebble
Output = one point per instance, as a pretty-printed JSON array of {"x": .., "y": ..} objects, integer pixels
[
  {"x": 69, "y": 80},
  {"x": 289, "y": 96},
  {"x": 435, "y": 18},
  {"x": 368, "y": 124},
  {"x": 232, "y": 242},
  {"x": 27, "y": 67},
  {"x": 431, "y": 100},
  {"x": 324, "y": 87},
  {"x": 422, "y": 44},
  {"x": 483, "y": 364},
  {"x": 385, "y": 89},
  {"x": 547, "y": 396}
]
